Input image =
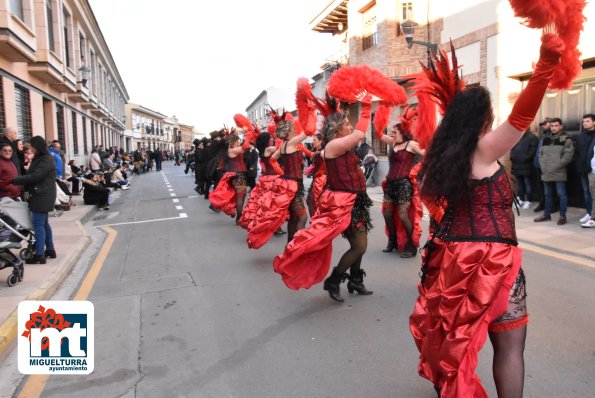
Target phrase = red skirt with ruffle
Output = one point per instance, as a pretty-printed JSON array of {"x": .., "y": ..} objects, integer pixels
[
  {"x": 467, "y": 287},
  {"x": 248, "y": 214},
  {"x": 317, "y": 187},
  {"x": 272, "y": 212},
  {"x": 307, "y": 258},
  {"x": 223, "y": 196}
]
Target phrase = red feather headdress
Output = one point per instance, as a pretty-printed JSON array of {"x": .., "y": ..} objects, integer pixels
[
  {"x": 347, "y": 82},
  {"x": 305, "y": 105},
  {"x": 408, "y": 118},
  {"x": 568, "y": 19}
]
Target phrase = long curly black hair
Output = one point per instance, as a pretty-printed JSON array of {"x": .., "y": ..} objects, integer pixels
[
  {"x": 445, "y": 173},
  {"x": 262, "y": 142}
]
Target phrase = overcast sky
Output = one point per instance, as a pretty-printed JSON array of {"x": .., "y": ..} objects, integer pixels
[{"x": 204, "y": 61}]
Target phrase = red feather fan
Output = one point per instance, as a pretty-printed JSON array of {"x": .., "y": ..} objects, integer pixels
[
  {"x": 381, "y": 116},
  {"x": 425, "y": 125},
  {"x": 349, "y": 81},
  {"x": 243, "y": 122},
  {"x": 305, "y": 106},
  {"x": 568, "y": 19}
]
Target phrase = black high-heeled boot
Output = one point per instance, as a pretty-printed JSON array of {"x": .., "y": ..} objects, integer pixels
[
  {"x": 410, "y": 250},
  {"x": 392, "y": 244},
  {"x": 331, "y": 285},
  {"x": 356, "y": 282}
]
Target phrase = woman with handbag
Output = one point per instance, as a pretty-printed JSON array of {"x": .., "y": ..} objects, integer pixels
[{"x": 40, "y": 184}]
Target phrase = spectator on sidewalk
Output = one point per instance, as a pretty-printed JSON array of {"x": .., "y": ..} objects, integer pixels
[
  {"x": 363, "y": 149},
  {"x": 118, "y": 178},
  {"x": 95, "y": 193},
  {"x": 40, "y": 183},
  {"x": 72, "y": 178},
  {"x": 583, "y": 162},
  {"x": 9, "y": 135},
  {"x": 521, "y": 156},
  {"x": 589, "y": 126},
  {"x": 8, "y": 171},
  {"x": 94, "y": 161},
  {"x": 556, "y": 154},
  {"x": 108, "y": 161}
]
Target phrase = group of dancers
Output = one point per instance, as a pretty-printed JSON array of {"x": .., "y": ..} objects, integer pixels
[{"x": 472, "y": 284}]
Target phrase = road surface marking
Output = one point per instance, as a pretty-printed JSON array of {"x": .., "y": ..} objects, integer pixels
[
  {"x": 144, "y": 221},
  {"x": 560, "y": 256},
  {"x": 179, "y": 208},
  {"x": 176, "y": 200},
  {"x": 35, "y": 384}
]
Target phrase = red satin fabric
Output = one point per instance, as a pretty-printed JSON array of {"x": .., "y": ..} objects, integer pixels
[
  {"x": 317, "y": 187},
  {"x": 307, "y": 258},
  {"x": 272, "y": 212},
  {"x": 223, "y": 196},
  {"x": 416, "y": 212},
  {"x": 249, "y": 212},
  {"x": 467, "y": 287}
]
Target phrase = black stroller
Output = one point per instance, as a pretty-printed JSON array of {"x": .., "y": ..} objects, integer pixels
[
  {"x": 15, "y": 226},
  {"x": 368, "y": 166}
]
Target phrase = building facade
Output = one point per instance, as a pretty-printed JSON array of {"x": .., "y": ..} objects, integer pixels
[
  {"x": 492, "y": 47},
  {"x": 57, "y": 76},
  {"x": 146, "y": 127},
  {"x": 273, "y": 97}
]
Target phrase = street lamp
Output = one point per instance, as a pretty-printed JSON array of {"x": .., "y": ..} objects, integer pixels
[
  {"x": 85, "y": 74},
  {"x": 408, "y": 28}
]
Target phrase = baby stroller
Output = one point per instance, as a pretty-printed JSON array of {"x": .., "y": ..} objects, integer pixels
[
  {"x": 368, "y": 166},
  {"x": 15, "y": 226}
]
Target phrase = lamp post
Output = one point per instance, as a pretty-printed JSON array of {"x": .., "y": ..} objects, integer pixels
[
  {"x": 85, "y": 74},
  {"x": 408, "y": 28}
]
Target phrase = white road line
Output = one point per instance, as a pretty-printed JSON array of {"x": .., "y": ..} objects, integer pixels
[
  {"x": 170, "y": 190},
  {"x": 172, "y": 194},
  {"x": 193, "y": 196},
  {"x": 182, "y": 215},
  {"x": 176, "y": 200},
  {"x": 179, "y": 208}
]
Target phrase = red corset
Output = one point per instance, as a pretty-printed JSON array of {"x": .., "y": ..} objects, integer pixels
[
  {"x": 400, "y": 163},
  {"x": 291, "y": 163},
  {"x": 344, "y": 174},
  {"x": 487, "y": 216},
  {"x": 268, "y": 170},
  {"x": 237, "y": 164},
  {"x": 319, "y": 166}
]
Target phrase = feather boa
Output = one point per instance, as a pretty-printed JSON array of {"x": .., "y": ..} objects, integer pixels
[
  {"x": 347, "y": 82},
  {"x": 568, "y": 18}
]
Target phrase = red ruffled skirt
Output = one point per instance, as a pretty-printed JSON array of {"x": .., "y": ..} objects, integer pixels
[
  {"x": 467, "y": 286},
  {"x": 272, "y": 212},
  {"x": 249, "y": 213},
  {"x": 223, "y": 196},
  {"x": 307, "y": 258}
]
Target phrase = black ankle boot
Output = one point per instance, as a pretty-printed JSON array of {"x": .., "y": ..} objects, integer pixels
[
  {"x": 331, "y": 285},
  {"x": 50, "y": 253},
  {"x": 37, "y": 259},
  {"x": 392, "y": 244},
  {"x": 410, "y": 251},
  {"x": 356, "y": 282}
]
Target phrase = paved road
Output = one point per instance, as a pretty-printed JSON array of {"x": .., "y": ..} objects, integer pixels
[{"x": 185, "y": 309}]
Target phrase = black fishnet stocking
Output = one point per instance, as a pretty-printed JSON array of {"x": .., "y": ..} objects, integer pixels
[
  {"x": 239, "y": 204},
  {"x": 404, "y": 216},
  {"x": 509, "y": 365},
  {"x": 387, "y": 213},
  {"x": 353, "y": 256},
  {"x": 294, "y": 224}
]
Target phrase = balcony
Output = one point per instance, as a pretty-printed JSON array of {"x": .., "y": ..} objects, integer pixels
[
  {"x": 333, "y": 19},
  {"x": 81, "y": 95},
  {"x": 17, "y": 41}
]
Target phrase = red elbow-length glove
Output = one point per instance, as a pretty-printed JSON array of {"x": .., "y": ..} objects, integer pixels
[
  {"x": 304, "y": 150},
  {"x": 527, "y": 105},
  {"x": 364, "y": 116}
]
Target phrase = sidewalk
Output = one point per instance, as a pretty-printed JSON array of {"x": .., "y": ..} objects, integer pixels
[
  {"x": 40, "y": 281},
  {"x": 569, "y": 239}
]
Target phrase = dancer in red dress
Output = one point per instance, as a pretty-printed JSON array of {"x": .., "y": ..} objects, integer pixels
[
  {"x": 472, "y": 284},
  {"x": 318, "y": 176},
  {"x": 343, "y": 208},
  {"x": 291, "y": 160},
  {"x": 399, "y": 193}
]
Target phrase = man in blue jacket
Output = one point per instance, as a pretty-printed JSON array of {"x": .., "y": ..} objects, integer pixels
[{"x": 583, "y": 164}]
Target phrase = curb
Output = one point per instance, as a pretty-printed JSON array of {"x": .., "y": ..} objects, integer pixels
[{"x": 8, "y": 329}]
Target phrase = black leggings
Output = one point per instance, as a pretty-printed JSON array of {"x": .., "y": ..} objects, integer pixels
[{"x": 352, "y": 258}]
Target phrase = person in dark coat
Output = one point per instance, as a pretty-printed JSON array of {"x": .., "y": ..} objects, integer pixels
[
  {"x": 9, "y": 135},
  {"x": 522, "y": 156},
  {"x": 95, "y": 193},
  {"x": 200, "y": 165},
  {"x": 158, "y": 155},
  {"x": 583, "y": 162},
  {"x": 251, "y": 161},
  {"x": 40, "y": 184},
  {"x": 8, "y": 171},
  {"x": 215, "y": 160}
]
